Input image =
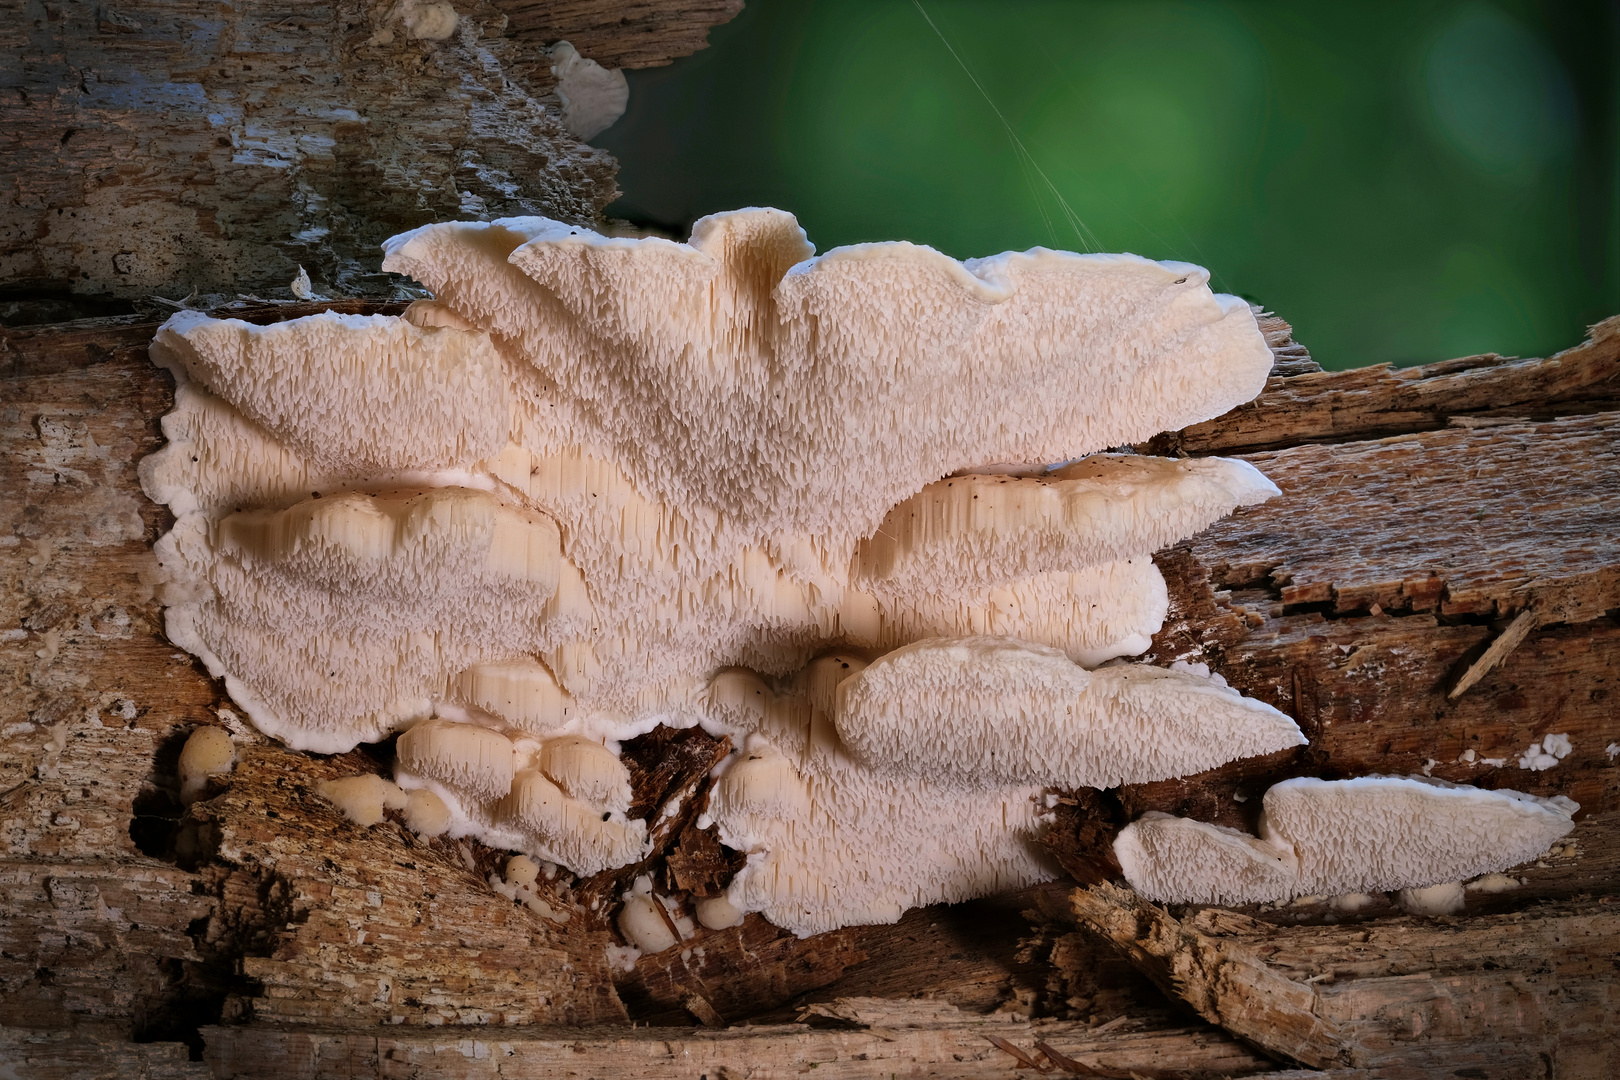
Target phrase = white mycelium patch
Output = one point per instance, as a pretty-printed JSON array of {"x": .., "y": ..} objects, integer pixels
[{"x": 602, "y": 484}]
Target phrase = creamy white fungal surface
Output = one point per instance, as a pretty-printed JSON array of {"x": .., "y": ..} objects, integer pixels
[
  {"x": 601, "y": 484},
  {"x": 1417, "y": 835}
]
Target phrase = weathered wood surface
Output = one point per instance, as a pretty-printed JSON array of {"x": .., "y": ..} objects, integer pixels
[
  {"x": 89, "y": 1054},
  {"x": 389, "y": 903},
  {"x": 97, "y": 937},
  {"x": 1356, "y": 601},
  {"x": 1513, "y": 996},
  {"x": 159, "y": 146},
  {"x": 644, "y": 33},
  {"x": 1380, "y": 400},
  {"x": 914, "y": 1039},
  {"x": 1469, "y": 494},
  {"x": 147, "y": 927}
]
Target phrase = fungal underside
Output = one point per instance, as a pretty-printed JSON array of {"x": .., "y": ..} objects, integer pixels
[
  {"x": 852, "y": 511},
  {"x": 1338, "y": 837}
]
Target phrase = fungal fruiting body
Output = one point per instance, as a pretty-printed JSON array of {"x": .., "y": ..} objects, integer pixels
[
  {"x": 520, "y": 884},
  {"x": 208, "y": 752},
  {"x": 1370, "y": 834},
  {"x": 649, "y": 922},
  {"x": 1545, "y": 753},
  {"x": 362, "y": 798},
  {"x": 718, "y": 913},
  {"x": 426, "y": 814},
  {"x": 602, "y": 484},
  {"x": 1007, "y": 712},
  {"x": 592, "y": 96}
]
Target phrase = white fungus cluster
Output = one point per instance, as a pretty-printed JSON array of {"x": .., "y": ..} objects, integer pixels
[
  {"x": 1371, "y": 834},
  {"x": 364, "y": 799},
  {"x": 974, "y": 531},
  {"x": 1545, "y": 753},
  {"x": 520, "y": 884},
  {"x": 652, "y": 923},
  {"x": 601, "y": 484},
  {"x": 1017, "y": 713}
]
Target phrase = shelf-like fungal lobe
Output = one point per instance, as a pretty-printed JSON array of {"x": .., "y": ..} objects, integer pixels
[
  {"x": 740, "y": 377},
  {"x": 601, "y": 484},
  {"x": 1372, "y": 833},
  {"x": 1182, "y": 860},
  {"x": 979, "y": 528},
  {"x": 1002, "y": 711}
]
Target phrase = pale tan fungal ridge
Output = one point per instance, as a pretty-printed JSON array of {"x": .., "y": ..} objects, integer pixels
[
  {"x": 1001, "y": 711},
  {"x": 739, "y": 377},
  {"x": 602, "y": 484},
  {"x": 979, "y": 528},
  {"x": 1414, "y": 834}
]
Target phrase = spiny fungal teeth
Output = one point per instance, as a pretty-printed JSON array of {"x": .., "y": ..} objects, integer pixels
[{"x": 600, "y": 484}]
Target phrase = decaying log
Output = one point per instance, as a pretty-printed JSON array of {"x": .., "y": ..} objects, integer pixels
[
  {"x": 1509, "y": 639},
  {"x": 98, "y": 937},
  {"x": 1528, "y": 994},
  {"x": 1357, "y": 600},
  {"x": 164, "y": 147},
  {"x": 259, "y": 916},
  {"x": 390, "y": 904},
  {"x": 1506, "y": 517},
  {"x": 911, "y": 1038},
  {"x": 89, "y": 1054}
]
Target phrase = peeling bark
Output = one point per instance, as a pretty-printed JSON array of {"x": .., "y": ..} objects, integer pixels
[{"x": 158, "y": 147}]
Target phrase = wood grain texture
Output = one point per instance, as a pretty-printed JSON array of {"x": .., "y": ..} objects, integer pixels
[
  {"x": 91, "y": 1054},
  {"x": 1498, "y": 650},
  {"x": 167, "y": 146},
  {"x": 377, "y": 926},
  {"x": 1379, "y": 400},
  {"x": 639, "y": 34},
  {"x": 1513, "y": 996},
  {"x": 97, "y": 938},
  {"x": 1462, "y": 521},
  {"x": 935, "y": 1046}
]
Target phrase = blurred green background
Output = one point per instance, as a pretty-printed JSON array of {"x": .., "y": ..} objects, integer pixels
[{"x": 1401, "y": 181}]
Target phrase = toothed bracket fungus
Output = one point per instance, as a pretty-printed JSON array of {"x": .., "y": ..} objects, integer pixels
[
  {"x": 599, "y": 484},
  {"x": 1372, "y": 833}
]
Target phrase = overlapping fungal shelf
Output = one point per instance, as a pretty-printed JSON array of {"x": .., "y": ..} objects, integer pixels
[
  {"x": 1321, "y": 837},
  {"x": 853, "y": 511}
]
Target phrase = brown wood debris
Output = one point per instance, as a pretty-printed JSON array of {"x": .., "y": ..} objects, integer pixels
[
  {"x": 932, "y": 1046},
  {"x": 1513, "y": 996},
  {"x": 423, "y": 937},
  {"x": 1508, "y": 640},
  {"x": 167, "y": 146},
  {"x": 1379, "y": 400},
  {"x": 615, "y": 34},
  {"x": 1288, "y": 357},
  {"x": 1510, "y": 516}
]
